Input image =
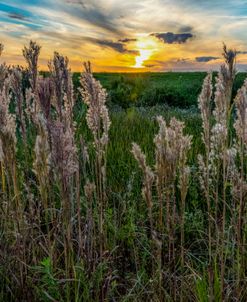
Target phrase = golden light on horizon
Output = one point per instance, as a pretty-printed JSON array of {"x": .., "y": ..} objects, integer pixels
[{"x": 146, "y": 46}]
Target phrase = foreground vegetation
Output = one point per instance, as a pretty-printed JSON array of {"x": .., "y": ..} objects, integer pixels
[{"x": 142, "y": 203}]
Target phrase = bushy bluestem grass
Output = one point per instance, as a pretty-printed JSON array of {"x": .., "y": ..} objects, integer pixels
[{"x": 78, "y": 223}]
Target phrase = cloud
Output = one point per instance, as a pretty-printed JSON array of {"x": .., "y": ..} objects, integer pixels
[
  {"x": 182, "y": 60},
  {"x": 75, "y": 2},
  {"x": 241, "y": 52},
  {"x": 185, "y": 29},
  {"x": 126, "y": 40},
  {"x": 93, "y": 12},
  {"x": 171, "y": 38},
  {"x": 117, "y": 46},
  {"x": 17, "y": 16},
  {"x": 149, "y": 65},
  {"x": 205, "y": 59}
]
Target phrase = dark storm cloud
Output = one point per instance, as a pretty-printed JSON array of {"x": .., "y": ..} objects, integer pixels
[
  {"x": 171, "y": 38},
  {"x": 206, "y": 59},
  {"x": 126, "y": 40},
  {"x": 17, "y": 16},
  {"x": 117, "y": 46}
]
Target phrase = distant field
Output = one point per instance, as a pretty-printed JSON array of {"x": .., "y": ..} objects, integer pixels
[{"x": 147, "y": 89}]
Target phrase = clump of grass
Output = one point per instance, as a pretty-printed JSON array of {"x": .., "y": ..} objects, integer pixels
[
  {"x": 73, "y": 223},
  {"x": 99, "y": 123},
  {"x": 171, "y": 171}
]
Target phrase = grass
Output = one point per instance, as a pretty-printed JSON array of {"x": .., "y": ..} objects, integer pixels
[
  {"x": 96, "y": 219},
  {"x": 180, "y": 89}
]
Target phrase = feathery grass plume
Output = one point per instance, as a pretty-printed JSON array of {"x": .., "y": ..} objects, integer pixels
[
  {"x": 147, "y": 182},
  {"x": 31, "y": 55},
  {"x": 8, "y": 148},
  {"x": 98, "y": 121},
  {"x": 64, "y": 155},
  {"x": 8, "y": 124},
  {"x": 183, "y": 184},
  {"x": 94, "y": 95},
  {"x": 63, "y": 150},
  {"x": 221, "y": 138},
  {"x": 4, "y": 69},
  {"x": 31, "y": 106},
  {"x": 58, "y": 67},
  {"x": 171, "y": 150},
  {"x": 64, "y": 163},
  {"x": 69, "y": 100},
  {"x": 240, "y": 183},
  {"x": 62, "y": 81},
  {"x": 3, "y": 73},
  {"x": 41, "y": 164},
  {"x": 228, "y": 70},
  {"x": 45, "y": 92},
  {"x": 204, "y": 104},
  {"x": 213, "y": 167},
  {"x": 167, "y": 155},
  {"x": 1, "y": 49},
  {"x": 241, "y": 107},
  {"x": 223, "y": 93},
  {"x": 171, "y": 146},
  {"x": 17, "y": 89}
]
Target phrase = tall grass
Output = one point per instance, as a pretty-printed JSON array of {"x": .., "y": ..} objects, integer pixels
[{"x": 128, "y": 205}]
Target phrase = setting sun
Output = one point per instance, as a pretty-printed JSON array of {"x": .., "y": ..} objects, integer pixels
[{"x": 146, "y": 46}]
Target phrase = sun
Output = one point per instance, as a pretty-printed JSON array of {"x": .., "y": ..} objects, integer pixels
[
  {"x": 146, "y": 46},
  {"x": 144, "y": 55}
]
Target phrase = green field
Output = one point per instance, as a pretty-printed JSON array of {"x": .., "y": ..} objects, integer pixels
[{"x": 179, "y": 89}]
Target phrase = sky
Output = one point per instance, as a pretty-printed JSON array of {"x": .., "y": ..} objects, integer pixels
[{"x": 126, "y": 35}]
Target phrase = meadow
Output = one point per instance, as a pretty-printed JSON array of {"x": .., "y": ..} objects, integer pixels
[{"x": 122, "y": 187}]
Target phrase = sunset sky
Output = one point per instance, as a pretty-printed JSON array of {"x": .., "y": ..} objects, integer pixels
[{"x": 127, "y": 35}]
